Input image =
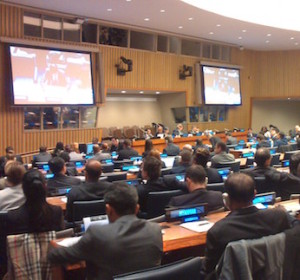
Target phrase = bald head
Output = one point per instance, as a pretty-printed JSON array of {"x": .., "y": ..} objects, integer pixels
[
  {"x": 262, "y": 157},
  {"x": 96, "y": 149},
  {"x": 93, "y": 171}
]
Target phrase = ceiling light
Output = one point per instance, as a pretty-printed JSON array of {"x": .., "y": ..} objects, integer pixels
[
  {"x": 296, "y": 43},
  {"x": 218, "y": 25},
  {"x": 162, "y": 11},
  {"x": 292, "y": 38},
  {"x": 244, "y": 30},
  {"x": 146, "y": 19},
  {"x": 190, "y": 18},
  {"x": 180, "y": 27},
  {"x": 283, "y": 14},
  {"x": 269, "y": 35},
  {"x": 109, "y": 9},
  {"x": 128, "y": 0},
  {"x": 158, "y": 92},
  {"x": 267, "y": 42},
  {"x": 123, "y": 91},
  {"x": 141, "y": 91},
  {"x": 211, "y": 33},
  {"x": 240, "y": 38}
]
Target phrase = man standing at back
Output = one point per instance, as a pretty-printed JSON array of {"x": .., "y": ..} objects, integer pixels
[
  {"x": 126, "y": 244},
  {"x": 244, "y": 221},
  {"x": 91, "y": 189}
]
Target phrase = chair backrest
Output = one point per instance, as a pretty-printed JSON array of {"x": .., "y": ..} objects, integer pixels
[
  {"x": 117, "y": 176},
  {"x": 27, "y": 255},
  {"x": 188, "y": 269},
  {"x": 275, "y": 159},
  {"x": 119, "y": 163},
  {"x": 169, "y": 179},
  {"x": 295, "y": 196},
  {"x": 216, "y": 187},
  {"x": 107, "y": 167},
  {"x": 157, "y": 202},
  {"x": 287, "y": 155},
  {"x": 234, "y": 165},
  {"x": 3, "y": 259},
  {"x": 166, "y": 171},
  {"x": 285, "y": 148},
  {"x": 82, "y": 209},
  {"x": 263, "y": 185}
]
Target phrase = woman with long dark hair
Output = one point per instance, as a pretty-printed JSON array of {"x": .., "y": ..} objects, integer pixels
[{"x": 36, "y": 215}]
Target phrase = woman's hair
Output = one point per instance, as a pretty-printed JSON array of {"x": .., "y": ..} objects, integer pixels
[
  {"x": 148, "y": 145},
  {"x": 40, "y": 213}
]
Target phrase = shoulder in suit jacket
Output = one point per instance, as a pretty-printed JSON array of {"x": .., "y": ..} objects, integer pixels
[
  {"x": 62, "y": 181},
  {"x": 127, "y": 153}
]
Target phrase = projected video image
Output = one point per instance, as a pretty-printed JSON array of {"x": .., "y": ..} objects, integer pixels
[
  {"x": 221, "y": 86},
  {"x": 45, "y": 77}
]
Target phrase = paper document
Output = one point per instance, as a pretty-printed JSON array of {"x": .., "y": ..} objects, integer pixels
[
  {"x": 67, "y": 242},
  {"x": 102, "y": 220},
  {"x": 64, "y": 199},
  {"x": 199, "y": 226}
]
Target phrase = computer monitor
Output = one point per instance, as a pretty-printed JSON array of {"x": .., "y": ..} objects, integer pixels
[
  {"x": 285, "y": 163},
  {"x": 224, "y": 172},
  {"x": 43, "y": 166},
  {"x": 239, "y": 147},
  {"x": 169, "y": 161},
  {"x": 180, "y": 177},
  {"x": 247, "y": 155},
  {"x": 264, "y": 199},
  {"x": 89, "y": 148},
  {"x": 79, "y": 163},
  {"x": 272, "y": 151},
  {"x": 187, "y": 213},
  {"x": 49, "y": 176},
  {"x": 242, "y": 142},
  {"x": 132, "y": 182},
  {"x": 130, "y": 168}
]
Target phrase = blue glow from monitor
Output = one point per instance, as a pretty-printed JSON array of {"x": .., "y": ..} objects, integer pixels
[
  {"x": 272, "y": 151},
  {"x": 180, "y": 178},
  {"x": 224, "y": 173},
  {"x": 136, "y": 158},
  {"x": 285, "y": 163},
  {"x": 114, "y": 153},
  {"x": 163, "y": 155},
  {"x": 46, "y": 167},
  {"x": 264, "y": 199},
  {"x": 79, "y": 164},
  {"x": 239, "y": 147},
  {"x": 89, "y": 149},
  {"x": 48, "y": 176},
  {"x": 108, "y": 161},
  {"x": 191, "y": 219},
  {"x": 247, "y": 155},
  {"x": 242, "y": 141}
]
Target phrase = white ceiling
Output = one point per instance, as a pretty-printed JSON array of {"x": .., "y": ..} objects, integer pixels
[{"x": 176, "y": 15}]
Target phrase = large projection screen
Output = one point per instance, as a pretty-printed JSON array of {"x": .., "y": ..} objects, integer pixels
[{"x": 50, "y": 77}]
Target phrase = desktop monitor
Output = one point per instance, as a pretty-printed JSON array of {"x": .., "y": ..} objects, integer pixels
[
  {"x": 262, "y": 200},
  {"x": 169, "y": 161},
  {"x": 130, "y": 168},
  {"x": 79, "y": 163},
  {"x": 272, "y": 151},
  {"x": 89, "y": 148},
  {"x": 239, "y": 147},
  {"x": 43, "y": 166},
  {"x": 180, "y": 177},
  {"x": 247, "y": 155},
  {"x": 285, "y": 163},
  {"x": 224, "y": 172},
  {"x": 187, "y": 213}
]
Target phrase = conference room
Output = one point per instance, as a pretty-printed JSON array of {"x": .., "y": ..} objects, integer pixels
[{"x": 98, "y": 76}]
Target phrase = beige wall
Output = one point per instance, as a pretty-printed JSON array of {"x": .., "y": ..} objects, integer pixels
[{"x": 281, "y": 113}]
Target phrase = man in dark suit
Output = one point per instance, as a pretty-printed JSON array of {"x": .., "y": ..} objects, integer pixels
[
  {"x": 127, "y": 152},
  {"x": 295, "y": 164},
  {"x": 171, "y": 149},
  {"x": 125, "y": 244},
  {"x": 230, "y": 140},
  {"x": 91, "y": 189},
  {"x": 60, "y": 180},
  {"x": 10, "y": 155},
  {"x": 43, "y": 156},
  {"x": 221, "y": 156},
  {"x": 244, "y": 221},
  {"x": 262, "y": 142},
  {"x": 196, "y": 184},
  {"x": 281, "y": 140},
  {"x": 184, "y": 163}
]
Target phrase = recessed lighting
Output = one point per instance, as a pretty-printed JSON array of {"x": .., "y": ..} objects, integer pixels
[
  {"x": 158, "y": 92},
  {"x": 296, "y": 43},
  {"x": 141, "y": 91},
  {"x": 267, "y": 42},
  {"x": 240, "y": 38},
  {"x": 180, "y": 27},
  {"x": 269, "y": 35},
  {"x": 109, "y": 9},
  {"x": 292, "y": 38},
  {"x": 123, "y": 91},
  {"x": 190, "y": 18},
  {"x": 289, "y": 98},
  {"x": 146, "y": 19},
  {"x": 162, "y": 10},
  {"x": 128, "y": 0},
  {"x": 218, "y": 25},
  {"x": 211, "y": 33},
  {"x": 244, "y": 30}
]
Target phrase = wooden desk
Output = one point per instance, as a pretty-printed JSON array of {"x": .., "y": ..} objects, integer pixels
[{"x": 58, "y": 201}]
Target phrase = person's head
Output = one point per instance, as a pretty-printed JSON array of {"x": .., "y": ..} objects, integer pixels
[
  {"x": 11, "y": 155},
  {"x": 262, "y": 157},
  {"x": 149, "y": 132},
  {"x": 199, "y": 142},
  {"x": 264, "y": 129},
  {"x": 169, "y": 139},
  {"x": 59, "y": 146},
  {"x": 180, "y": 127},
  {"x": 104, "y": 146},
  {"x": 9, "y": 149},
  {"x": 43, "y": 149},
  {"x": 65, "y": 156},
  {"x": 120, "y": 200},
  {"x": 151, "y": 168},
  {"x": 75, "y": 147},
  {"x": 57, "y": 165},
  {"x": 160, "y": 130},
  {"x": 281, "y": 135},
  {"x": 148, "y": 145},
  {"x": 154, "y": 153},
  {"x": 260, "y": 137},
  {"x": 241, "y": 191},
  {"x": 115, "y": 141},
  {"x": 95, "y": 140},
  {"x": 220, "y": 147},
  {"x": 273, "y": 132},
  {"x": 250, "y": 130},
  {"x": 127, "y": 143},
  {"x": 68, "y": 148},
  {"x": 201, "y": 157},
  {"x": 188, "y": 147},
  {"x": 96, "y": 149},
  {"x": 166, "y": 130},
  {"x": 186, "y": 157},
  {"x": 295, "y": 164},
  {"x": 14, "y": 171},
  {"x": 195, "y": 177},
  {"x": 93, "y": 171}
]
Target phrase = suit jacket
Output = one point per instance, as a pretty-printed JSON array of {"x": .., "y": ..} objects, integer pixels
[
  {"x": 263, "y": 144},
  {"x": 126, "y": 245},
  {"x": 221, "y": 158},
  {"x": 213, "y": 175},
  {"x": 41, "y": 157},
  {"x": 100, "y": 156},
  {"x": 212, "y": 198},
  {"x": 61, "y": 181},
  {"x": 18, "y": 220},
  {"x": 172, "y": 150},
  {"x": 231, "y": 140},
  {"x": 127, "y": 153},
  {"x": 245, "y": 223},
  {"x": 280, "y": 142},
  {"x": 12, "y": 197},
  {"x": 181, "y": 168},
  {"x": 85, "y": 191}
]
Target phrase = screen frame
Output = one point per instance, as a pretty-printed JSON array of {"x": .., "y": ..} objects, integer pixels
[
  {"x": 203, "y": 85},
  {"x": 12, "y": 96}
]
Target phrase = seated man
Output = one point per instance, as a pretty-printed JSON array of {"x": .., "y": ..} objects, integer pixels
[
  {"x": 199, "y": 144},
  {"x": 262, "y": 142},
  {"x": 91, "y": 189},
  {"x": 230, "y": 140},
  {"x": 184, "y": 162},
  {"x": 295, "y": 164},
  {"x": 171, "y": 149},
  {"x": 221, "y": 156},
  {"x": 281, "y": 140},
  {"x": 105, "y": 148},
  {"x": 10, "y": 155},
  {"x": 12, "y": 197},
  {"x": 60, "y": 180},
  {"x": 126, "y": 244},
  {"x": 98, "y": 154},
  {"x": 196, "y": 184},
  {"x": 245, "y": 221},
  {"x": 201, "y": 157},
  {"x": 74, "y": 152},
  {"x": 43, "y": 156},
  {"x": 127, "y": 152},
  {"x": 179, "y": 130}
]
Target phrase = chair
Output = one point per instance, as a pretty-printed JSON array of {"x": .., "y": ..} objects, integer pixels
[
  {"x": 116, "y": 176},
  {"x": 288, "y": 155},
  {"x": 285, "y": 148},
  {"x": 188, "y": 269},
  {"x": 275, "y": 159},
  {"x": 263, "y": 185},
  {"x": 170, "y": 178},
  {"x": 295, "y": 196},
  {"x": 216, "y": 187},
  {"x": 65, "y": 233},
  {"x": 165, "y": 171},
  {"x": 82, "y": 209},
  {"x": 3, "y": 259},
  {"x": 234, "y": 165},
  {"x": 228, "y": 147},
  {"x": 107, "y": 167},
  {"x": 157, "y": 202},
  {"x": 27, "y": 255}
]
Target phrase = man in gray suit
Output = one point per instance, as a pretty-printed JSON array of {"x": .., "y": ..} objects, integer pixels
[
  {"x": 125, "y": 244},
  {"x": 171, "y": 149},
  {"x": 221, "y": 156}
]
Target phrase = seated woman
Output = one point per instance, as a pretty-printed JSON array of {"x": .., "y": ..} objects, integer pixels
[{"x": 36, "y": 215}]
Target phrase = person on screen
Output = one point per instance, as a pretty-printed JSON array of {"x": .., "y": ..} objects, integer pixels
[
  {"x": 125, "y": 244},
  {"x": 245, "y": 221},
  {"x": 195, "y": 178}
]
